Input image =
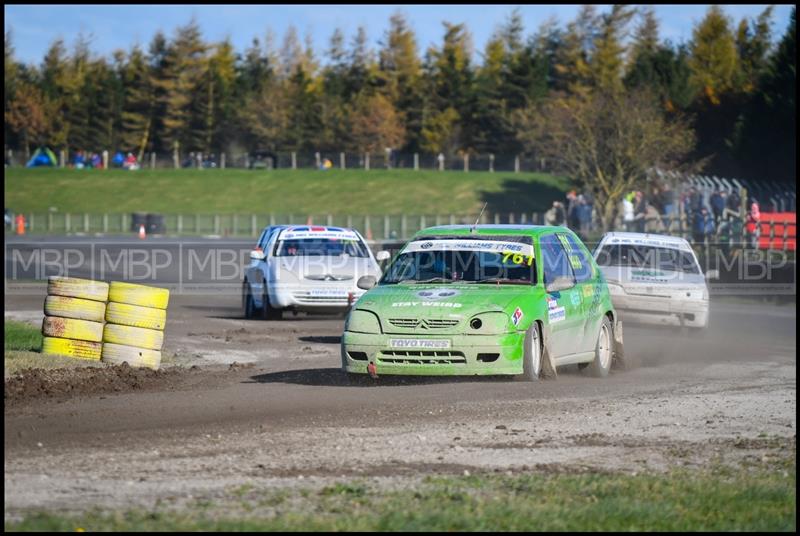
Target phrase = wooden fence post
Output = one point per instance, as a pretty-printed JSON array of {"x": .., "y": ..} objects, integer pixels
[
  {"x": 366, "y": 161},
  {"x": 294, "y": 160},
  {"x": 341, "y": 161},
  {"x": 466, "y": 162},
  {"x": 416, "y": 161},
  {"x": 516, "y": 164},
  {"x": 222, "y": 161}
]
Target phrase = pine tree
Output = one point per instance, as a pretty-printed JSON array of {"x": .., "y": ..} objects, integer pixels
[
  {"x": 138, "y": 101},
  {"x": 713, "y": 59},
  {"x": 753, "y": 47},
  {"x": 608, "y": 60}
]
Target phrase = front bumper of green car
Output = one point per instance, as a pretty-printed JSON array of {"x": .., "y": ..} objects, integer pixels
[{"x": 460, "y": 355}]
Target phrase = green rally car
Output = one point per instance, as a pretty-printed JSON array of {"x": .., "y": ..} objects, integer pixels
[{"x": 485, "y": 300}]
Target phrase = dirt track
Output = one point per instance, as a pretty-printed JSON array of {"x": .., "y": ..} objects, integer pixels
[{"x": 285, "y": 415}]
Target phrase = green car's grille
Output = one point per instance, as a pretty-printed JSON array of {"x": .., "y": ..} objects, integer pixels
[
  {"x": 422, "y": 357},
  {"x": 425, "y": 323}
]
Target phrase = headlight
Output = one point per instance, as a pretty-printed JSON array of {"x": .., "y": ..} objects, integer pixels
[
  {"x": 615, "y": 289},
  {"x": 488, "y": 324},
  {"x": 362, "y": 322}
]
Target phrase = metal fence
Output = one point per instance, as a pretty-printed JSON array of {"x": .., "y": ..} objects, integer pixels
[
  {"x": 773, "y": 235},
  {"x": 315, "y": 160}
]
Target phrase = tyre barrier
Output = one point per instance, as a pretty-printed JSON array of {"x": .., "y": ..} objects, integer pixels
[
  {"x": 135, "y": 320},
  {"x": 117, "y": 322},
  {"x": 69, "y": 328},
  {"x": 77, "y": 308},
  {"x": 151, "y": 339},
  {"x": 77, "y": 288},
  {"x": 72, "y": 348},
  {"x": 138, "y": 295},
  {"x": 117, "y": 354},
  {"x": 137, "y": 316}
]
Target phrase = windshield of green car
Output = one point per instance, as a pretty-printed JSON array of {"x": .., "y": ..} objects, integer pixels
[
  {"x": 648, "y": 257},
  {"x": 463, "y": 261}
]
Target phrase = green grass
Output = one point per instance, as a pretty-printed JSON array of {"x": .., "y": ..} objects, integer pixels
[
  {"x": 721, "y": 499},
  {"x": 302, "y": 191},
  {"x": 21, "y": 336}
]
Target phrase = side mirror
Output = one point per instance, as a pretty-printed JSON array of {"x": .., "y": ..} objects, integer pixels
[
  {"x": 559, "y": 284},
  {"x": 257, "y": 255},
  {"x": 366, "y": 282},
  {"x": 712, "y": 275},
  {"x": 382, "y": 255}
]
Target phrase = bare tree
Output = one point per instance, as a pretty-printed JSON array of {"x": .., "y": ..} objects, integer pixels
[{"x": 606, "y": 142}]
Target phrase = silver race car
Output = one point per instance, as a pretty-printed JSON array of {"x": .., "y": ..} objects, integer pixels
[
  {"x": 654, "y": 279},
  {"x": 306, "y": 268}
]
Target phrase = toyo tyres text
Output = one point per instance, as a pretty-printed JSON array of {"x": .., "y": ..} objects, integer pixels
[
  {"x": 117, "y": 354},
  {"x": 130, "y": 336},
  {"x": 77, "y": 288},
  {"x": 77, "y": 308},
  {"x": 137, "y": 316},
  {"x": 72, "y": 348},
  {"x": 70, "y": 328},
  {"x": 141, "y": 295}
]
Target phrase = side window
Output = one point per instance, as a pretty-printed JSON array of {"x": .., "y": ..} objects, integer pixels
[
  {"x": 267, "y": 237},
  {"x": 555, "y": 260},
  {"x": 260, "y": 242},
  {"x": 578, "y": 258}
]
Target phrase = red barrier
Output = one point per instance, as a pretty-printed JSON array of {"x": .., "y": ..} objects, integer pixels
[{"x": 774, "y": 225}]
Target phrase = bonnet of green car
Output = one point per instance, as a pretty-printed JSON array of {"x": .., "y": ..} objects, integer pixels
[{"x": 440, "y": 300}]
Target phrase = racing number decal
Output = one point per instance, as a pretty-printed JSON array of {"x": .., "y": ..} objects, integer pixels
[{"x": 517, "y": 258}]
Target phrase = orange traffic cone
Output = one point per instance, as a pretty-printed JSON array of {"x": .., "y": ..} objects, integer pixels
[{"x": 142, "y": 232}]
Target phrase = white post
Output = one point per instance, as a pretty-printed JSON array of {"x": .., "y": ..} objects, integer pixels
[
  {"x": 388, "y": 158},
  {"x": 416, "y": 162},
  {"x": 175, "y": 156},
  {"x": 199, "y": 160},
  {"x": 247, "y": 160},
  {"x": 319, "y": 162},
  {"x": 466, "y": 161},
  {"x": 341, "y": 161},
  {"x": 441, "y": 162},
  {"x": 491, "y": 163},
  {"x": 294, "y": 160},
  {"x": 222, "y": 161},
  {"x": 516, "y": 164},
  {"x": 366, "y": 161},
  {"x": 152, "y": 160},
  {"x": 105, "y": 159},
  {"x": 62, "y": 156}
]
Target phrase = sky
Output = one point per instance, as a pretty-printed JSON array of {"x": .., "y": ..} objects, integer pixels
[{"x": 110, "y": 27}]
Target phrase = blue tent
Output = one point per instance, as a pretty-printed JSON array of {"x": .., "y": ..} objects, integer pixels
[{"x": 42, "y": 157}]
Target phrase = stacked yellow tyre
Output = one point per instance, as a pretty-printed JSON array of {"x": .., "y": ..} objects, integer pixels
[
  {"x": 135, "y": 319},
  {"x": 74, "y": 310}
]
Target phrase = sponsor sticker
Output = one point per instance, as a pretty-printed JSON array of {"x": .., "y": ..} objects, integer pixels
[
  {"x": 451, "y": 305},
  {"x": 303, "y": 234},
  {"x": 588, "y": 290},
  {"x": 419, "y": 343},
  {"x": 556, "y": 315},
  {"x": 551, "y": 303},
  {"x": 575, "y": 261},
  {"x": 517, "y": 316},
  {"x": 328, "y": 292},
  {"x": 437, "y": 293},
  {"x": 494, "y": 246},
  {"x": 575, "y": 298}
]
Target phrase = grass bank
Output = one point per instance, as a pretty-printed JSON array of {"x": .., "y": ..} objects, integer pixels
[
  {"x": 747, "y": 498},
  {"x": 302, "y": 191}
]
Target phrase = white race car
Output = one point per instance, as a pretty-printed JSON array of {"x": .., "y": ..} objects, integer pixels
[
  {"x": 654, "y": 279},
  {"x": 306, "y": 268}
]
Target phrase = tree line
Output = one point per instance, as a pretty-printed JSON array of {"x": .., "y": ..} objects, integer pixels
[{"x": 724, "y": 100}]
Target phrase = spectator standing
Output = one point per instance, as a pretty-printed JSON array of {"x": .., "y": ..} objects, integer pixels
[
  {"x": 639, "y": 211},
  {"x": 717, "y": 201},
  {"x": 753, "y": 225},
  {"x": 703, "y": 225}
]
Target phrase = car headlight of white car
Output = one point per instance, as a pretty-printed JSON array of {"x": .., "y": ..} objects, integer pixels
[
  {"x": 362, "y": 322},
  {"x": 614, "y": 289}
]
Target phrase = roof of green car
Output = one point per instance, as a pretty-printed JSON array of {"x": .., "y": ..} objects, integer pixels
[{"x": 489, "y": 230}]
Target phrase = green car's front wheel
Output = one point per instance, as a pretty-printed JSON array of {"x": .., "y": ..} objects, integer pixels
[{"x": 535, "y": 361}]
